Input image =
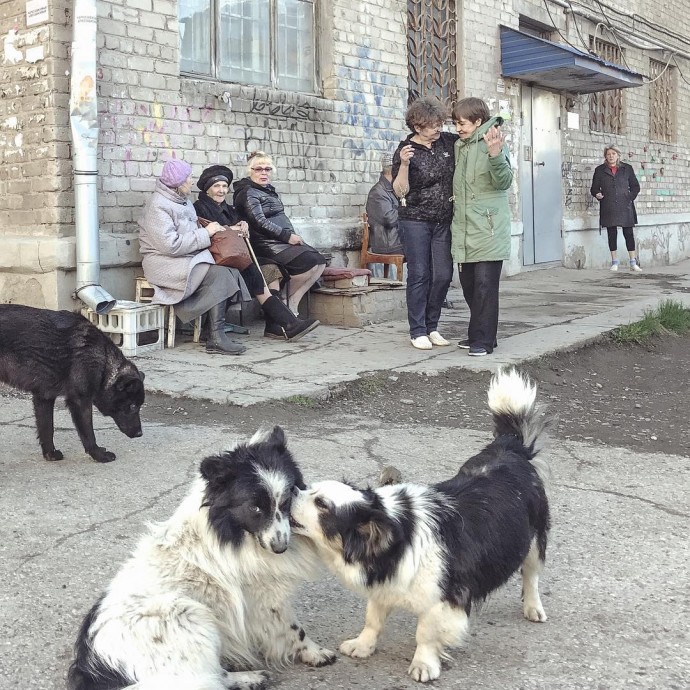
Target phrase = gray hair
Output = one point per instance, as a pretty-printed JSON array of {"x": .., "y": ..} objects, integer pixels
[{"x": 611, "y": 147}]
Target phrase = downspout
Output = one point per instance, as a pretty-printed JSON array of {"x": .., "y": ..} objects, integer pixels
[{"x": 84, "y": 127}]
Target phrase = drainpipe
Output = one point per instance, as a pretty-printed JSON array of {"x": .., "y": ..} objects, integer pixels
[{"x": 84, "y": 127}]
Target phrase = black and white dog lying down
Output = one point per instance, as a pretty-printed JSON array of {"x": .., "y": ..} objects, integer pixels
[
  {"x": 436, "y": 550},
  {"x": 204, "y": 600}
]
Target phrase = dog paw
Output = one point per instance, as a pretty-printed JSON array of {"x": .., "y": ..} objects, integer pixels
[
  {"x": 246, "y": 680},
  {"x": 536, "y": 614},
  {"x": 102, "y": 455},
  {"x": 424, "y": 671},
  {"x": 317, "y": 656},
  {"x": 53, "y": 455},
  {"x": 357, "y": 649}
]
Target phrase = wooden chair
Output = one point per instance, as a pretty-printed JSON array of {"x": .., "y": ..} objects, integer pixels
[
  {"x": 387, "y": 260},
  {"x": 143, "y": 292}
]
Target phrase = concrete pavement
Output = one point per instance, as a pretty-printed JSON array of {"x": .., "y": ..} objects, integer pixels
[
  {"x": 542, "y": 311},
  {"x": 615, "y": 585},
  {"x": 614, "y": 588}
]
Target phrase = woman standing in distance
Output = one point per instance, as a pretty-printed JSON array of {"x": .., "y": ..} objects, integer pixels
[
  {"x": 615, "y": 186},
  {"x": 423, "y": 181}
]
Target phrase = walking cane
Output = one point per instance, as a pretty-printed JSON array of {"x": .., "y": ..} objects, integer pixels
[{"x": 256, "y": 261}]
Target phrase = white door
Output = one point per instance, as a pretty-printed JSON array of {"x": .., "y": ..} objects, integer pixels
[{"x": 540, "y": 177}]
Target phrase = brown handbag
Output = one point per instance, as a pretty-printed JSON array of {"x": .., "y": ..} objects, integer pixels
[{"x": 228, "y": 248}]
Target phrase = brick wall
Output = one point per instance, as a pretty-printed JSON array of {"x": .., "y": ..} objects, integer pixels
[
  {"x": 35, "y": 186},
  {"x": 327, "y": 147},
  {"x": 662, "y": 168}
]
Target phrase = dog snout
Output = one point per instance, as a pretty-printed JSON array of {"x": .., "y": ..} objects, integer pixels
[
  {"x": 134, "y": 433},
  {"x": 279, "y": 543}
]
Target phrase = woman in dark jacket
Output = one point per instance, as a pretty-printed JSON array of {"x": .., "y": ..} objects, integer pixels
[
  {"x": 423, "y": 167},
  {"x": 271, "y": 232},
  {"x": 615, "y": 186},
  {"x": 281, "y": 323}
]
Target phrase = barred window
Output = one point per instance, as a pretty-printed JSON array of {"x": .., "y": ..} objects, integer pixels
[
  {"x": 662, "y": 105},
  {"x": 606, "y": 107},
  {"x": 432, "y": 49},
  {"x": 264, "y": 42}
]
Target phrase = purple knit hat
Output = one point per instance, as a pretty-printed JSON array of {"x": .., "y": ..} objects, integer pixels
[{"x": 175, "y": 172}]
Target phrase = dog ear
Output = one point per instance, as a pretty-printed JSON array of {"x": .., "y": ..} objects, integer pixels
[
  {"x": 274, "y": 437},
  {"x": 373, "y": 533},
  {"x": 216, "y": 467},
  {"x": 277, "y": 438}
]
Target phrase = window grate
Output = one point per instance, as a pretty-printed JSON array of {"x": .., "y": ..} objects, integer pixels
[
  {"x": 432, "y": 49},
  {"x": 662, "y": 105},
  {"x": 606, "y": 107}
]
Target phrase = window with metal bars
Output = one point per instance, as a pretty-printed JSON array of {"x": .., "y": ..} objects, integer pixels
[
  {"x": 432, "y": 49},
  {"x": 264, "y": 42},
  {"x": 662, "y": 106},
  {"x": 606, "y": 107}
]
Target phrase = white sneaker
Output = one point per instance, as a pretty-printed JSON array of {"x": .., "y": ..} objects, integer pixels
[
  {"x": 635, "y": 267},
  {"x": 437, "y": 339},
  {"x": 614, "y": 267},
  {"x": 421, "y": 343}
]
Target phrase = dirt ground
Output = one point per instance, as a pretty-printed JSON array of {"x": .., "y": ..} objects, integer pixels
[{"x": 631, "y": 396}]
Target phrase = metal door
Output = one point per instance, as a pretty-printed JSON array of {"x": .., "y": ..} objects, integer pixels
[{"x": 540, "y": 177}]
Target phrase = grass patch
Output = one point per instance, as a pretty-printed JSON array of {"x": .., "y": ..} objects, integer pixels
[
  {"x": 302, "y": 401},
  {"x": 669, "y": 317}
]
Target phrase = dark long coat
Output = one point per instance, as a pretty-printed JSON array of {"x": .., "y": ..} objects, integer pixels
[{"x": 620, "y": 191}]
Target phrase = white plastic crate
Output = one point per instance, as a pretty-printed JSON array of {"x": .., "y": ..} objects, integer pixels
[{"x": 134, "y": 327}]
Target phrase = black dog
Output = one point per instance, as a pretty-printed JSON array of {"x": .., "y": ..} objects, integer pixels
[{"x": 58, "y": 353}]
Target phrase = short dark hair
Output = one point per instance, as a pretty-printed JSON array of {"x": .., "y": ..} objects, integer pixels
[
  {"x": 426, "y": 111},
  {"x": 471, "y": 109}
]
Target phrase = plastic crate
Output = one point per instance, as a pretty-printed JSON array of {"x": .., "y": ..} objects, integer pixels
[{"x": 134, "y": 327}]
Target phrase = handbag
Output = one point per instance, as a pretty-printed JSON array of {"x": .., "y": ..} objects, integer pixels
[{"x": 228, "y": 248}]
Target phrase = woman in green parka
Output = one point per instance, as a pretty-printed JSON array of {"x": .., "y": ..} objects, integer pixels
[{"x": 481, "y": 218}]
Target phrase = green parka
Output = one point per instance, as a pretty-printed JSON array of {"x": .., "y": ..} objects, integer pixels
[{"x": 481, "y": 213}]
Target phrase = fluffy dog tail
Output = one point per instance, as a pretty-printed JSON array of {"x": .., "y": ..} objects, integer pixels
[{"x": 512, "y": 401}]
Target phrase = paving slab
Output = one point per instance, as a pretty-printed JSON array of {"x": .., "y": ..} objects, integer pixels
[{"x": 542, "y": 311}]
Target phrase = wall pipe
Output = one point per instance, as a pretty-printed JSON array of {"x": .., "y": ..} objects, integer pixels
[{"x": 84, "y": 129}]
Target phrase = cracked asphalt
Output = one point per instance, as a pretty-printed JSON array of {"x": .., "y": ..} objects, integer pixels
[{"x": 615, "y": 585}]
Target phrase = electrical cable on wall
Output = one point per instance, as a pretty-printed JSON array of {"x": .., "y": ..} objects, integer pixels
[
  {"x": 553, "y": 23},
  {"x": 587, "y": 47},
  {"x": 680, "y": 72}
]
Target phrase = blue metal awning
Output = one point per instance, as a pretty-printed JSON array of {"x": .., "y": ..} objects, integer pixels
[{"x": 559, "y": 67}]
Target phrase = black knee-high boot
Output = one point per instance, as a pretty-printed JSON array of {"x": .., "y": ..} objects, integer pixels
[
  {"x": 282, "y": 324},
  {"x": 217, "y": 341}
]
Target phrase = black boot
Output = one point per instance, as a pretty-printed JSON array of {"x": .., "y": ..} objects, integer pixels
[
  {"x": 282, "y": 324},
  {"x": 217, "y": 341}
]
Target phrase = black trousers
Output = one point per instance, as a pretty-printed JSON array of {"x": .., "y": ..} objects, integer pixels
[
  {"x": 479, "y": 283},
  {"x": 613, "y": 238}
]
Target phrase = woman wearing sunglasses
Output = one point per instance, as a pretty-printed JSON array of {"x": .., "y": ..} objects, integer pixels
[{"x": 271, "y": 233}]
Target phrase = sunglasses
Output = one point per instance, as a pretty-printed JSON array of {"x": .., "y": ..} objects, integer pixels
[{"x": 265, "y": 170}]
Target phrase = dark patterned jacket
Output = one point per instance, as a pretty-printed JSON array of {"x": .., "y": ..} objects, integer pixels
[{"x": 431, "y": 180}]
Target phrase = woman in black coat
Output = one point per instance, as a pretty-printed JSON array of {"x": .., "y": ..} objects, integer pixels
[
  {"x": 271, "y": 232},
  {"x": 281, "y": 323},
  {"x": 615, "y": 186}
]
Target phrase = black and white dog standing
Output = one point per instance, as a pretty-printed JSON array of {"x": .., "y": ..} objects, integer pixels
[
  {"x": 436, "y": 550},
  {"x": 204, "y": 600}
]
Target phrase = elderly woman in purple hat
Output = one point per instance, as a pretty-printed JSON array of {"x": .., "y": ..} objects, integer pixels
[{"x": 177, "y": 262}]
